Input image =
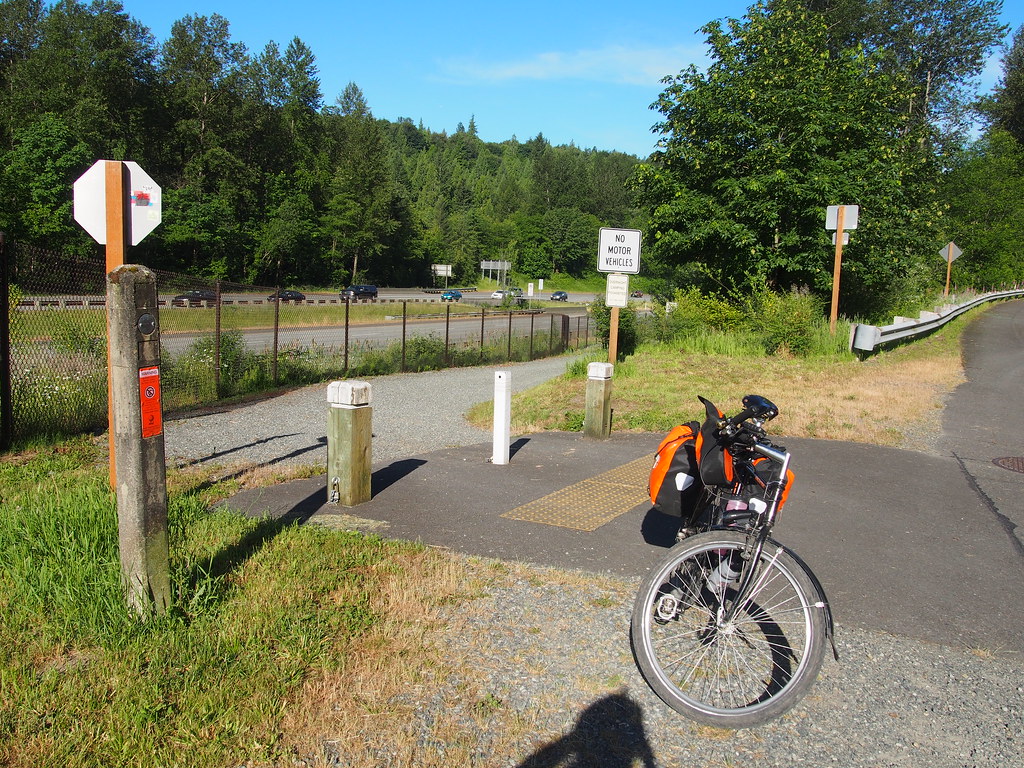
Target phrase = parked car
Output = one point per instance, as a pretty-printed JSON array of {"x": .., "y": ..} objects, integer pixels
[
  {"x": 196, "y": 296},
  {"x": 360, "y": 292},
  {"x": 451, "y": 295},
  {"x": 287, "y": 296},
  {"x": 559, "y": 296},
  {"x": 637, "y": 294},
  {"x": 499, "y": 294},
  {"x": 517, "y": 292}
]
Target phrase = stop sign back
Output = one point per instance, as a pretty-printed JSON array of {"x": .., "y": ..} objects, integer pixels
[{"x": 144, "y": 207}]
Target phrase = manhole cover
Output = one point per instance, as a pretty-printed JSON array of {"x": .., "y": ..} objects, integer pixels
[{"x": 1013, "y": 463}]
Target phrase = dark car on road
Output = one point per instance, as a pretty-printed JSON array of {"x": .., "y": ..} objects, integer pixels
[
  {"x": 451, "y": 295},
  {"x": 196, "y": 296},
  {"x": 559, "y": 296},
  {"x": 287, "y": 296},
  {"x": 354, "y": 292}
]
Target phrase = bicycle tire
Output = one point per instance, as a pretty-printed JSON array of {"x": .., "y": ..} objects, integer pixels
[{"x": 735, "y": 675}]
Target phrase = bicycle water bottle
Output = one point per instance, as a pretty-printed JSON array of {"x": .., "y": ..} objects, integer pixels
[{"x": 722, "y": 576}]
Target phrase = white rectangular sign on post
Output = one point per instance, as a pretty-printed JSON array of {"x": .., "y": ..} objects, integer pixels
[
  {"x": 619, "y": 251},
  {"x": 617, "y": 291},
  {"x": 850, "y": 213}
]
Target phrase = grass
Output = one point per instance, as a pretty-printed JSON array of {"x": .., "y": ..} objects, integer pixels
[
  {"x": 299, "y": 642},
  {"x": 91, "y": 323},
  {"x": 884, "y": 400},
  {"x": 272, "y": 625}
]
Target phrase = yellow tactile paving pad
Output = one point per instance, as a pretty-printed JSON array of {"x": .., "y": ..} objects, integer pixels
[{"x": 589, "y": 504}]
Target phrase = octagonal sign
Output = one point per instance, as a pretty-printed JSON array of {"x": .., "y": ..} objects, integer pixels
[{"x": 144, "y": 205}]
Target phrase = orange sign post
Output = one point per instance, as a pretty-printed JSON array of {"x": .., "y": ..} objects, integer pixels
[
  {"x": 118, "y": 204},
  {"x": 840, "y": 218}
]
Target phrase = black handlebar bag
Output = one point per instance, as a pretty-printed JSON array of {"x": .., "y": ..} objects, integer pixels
[{"x": 713, "y": 459}]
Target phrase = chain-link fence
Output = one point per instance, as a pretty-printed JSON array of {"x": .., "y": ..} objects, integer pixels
[{"x": 227, "y": 340}]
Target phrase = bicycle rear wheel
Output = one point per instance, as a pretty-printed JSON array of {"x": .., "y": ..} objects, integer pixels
[{"x": 736, "y": 673}]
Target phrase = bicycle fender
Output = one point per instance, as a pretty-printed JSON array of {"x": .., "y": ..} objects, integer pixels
[{"x": 829, "y": 623}]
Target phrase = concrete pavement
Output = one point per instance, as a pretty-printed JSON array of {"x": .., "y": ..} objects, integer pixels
[{"x": 925, "y": 546}]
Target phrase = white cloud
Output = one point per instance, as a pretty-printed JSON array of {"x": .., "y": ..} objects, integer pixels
[{"x": 613, "y": 64}]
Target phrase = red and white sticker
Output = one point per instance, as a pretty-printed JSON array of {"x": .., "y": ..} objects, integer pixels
[{"x": 149, "y": 394}]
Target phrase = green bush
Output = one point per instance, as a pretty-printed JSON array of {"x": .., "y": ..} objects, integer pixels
[
  {"x": 786, "y": 322},
  {"x": 629, "y": 327},
  {"x": 49, "y": 402},
  {"x": 695, "y": 311},
  {"x": 765, "y": 322}
]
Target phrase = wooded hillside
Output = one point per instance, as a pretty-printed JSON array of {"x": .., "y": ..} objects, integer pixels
[{"x": 263, "y": 181}]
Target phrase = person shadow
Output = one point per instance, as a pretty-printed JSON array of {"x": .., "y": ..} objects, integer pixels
[{"x": 608, "y": 734}]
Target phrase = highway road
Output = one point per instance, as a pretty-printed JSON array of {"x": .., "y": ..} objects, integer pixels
[{"x": 459, "y": 329}]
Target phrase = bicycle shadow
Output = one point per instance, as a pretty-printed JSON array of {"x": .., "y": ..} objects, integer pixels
[
  {"x": 659, "y": 529},
  {"x": 608, "y": 734}
]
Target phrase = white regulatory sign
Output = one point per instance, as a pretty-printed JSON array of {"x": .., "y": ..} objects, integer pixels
[
  {"x": 619, "y": 251},
  {"x": 617, "y": 291}
]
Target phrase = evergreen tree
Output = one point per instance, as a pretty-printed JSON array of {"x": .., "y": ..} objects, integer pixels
[
  {"x": 985, "y": 194},
  {"x": 779, "y": 127},
  {"x": 1007, "y": 105},
  {"x": 361, "y": 205}
]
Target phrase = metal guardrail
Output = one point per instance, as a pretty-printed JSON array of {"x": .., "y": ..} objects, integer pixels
[{"x": 868, "y": 338}]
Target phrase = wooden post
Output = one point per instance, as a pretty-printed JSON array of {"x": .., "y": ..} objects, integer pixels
[
  {"x": 115, "y": 185},
  {"x": 949, "y": 266},
  {"x": 597, "y": 418},
  {"x": 836, "y": 269},
  {"x": 117, "y": 221},
  {"x": 613, "y": 336},
  {"x": 137, "y": 430},
  {"x": 349, "y": 438}
]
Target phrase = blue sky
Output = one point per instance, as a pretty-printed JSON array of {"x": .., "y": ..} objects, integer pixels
[{"x": 581, "y": 72}]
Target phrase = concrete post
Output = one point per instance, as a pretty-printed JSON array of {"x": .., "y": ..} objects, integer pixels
[
  {"x": 349, "y": 438},
  {"x": 138, "y": 438},
  {"x": 597, "y": 420},
  {"x": 502, "y": 417}
]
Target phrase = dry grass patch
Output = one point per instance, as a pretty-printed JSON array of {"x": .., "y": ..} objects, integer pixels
[
  {"x": 365, "y": 709},
  {"x": 894, "y": 398},
  {"x": 434, "y": 683}
]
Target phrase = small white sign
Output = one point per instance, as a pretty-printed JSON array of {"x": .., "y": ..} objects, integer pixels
[
  {"x": 850, "y": 213},
  {"x": 846, "y": 238},
  {"x": 619, "y": 251},
  {"x": 529, "y": 290},
  {"x": 617, "y": 292}
]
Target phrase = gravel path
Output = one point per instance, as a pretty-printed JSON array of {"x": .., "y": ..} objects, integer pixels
[
  {"x": 413, "y": 413},
  {"x": 550, "y": 649},
  {"x": 557, "y": 651}
]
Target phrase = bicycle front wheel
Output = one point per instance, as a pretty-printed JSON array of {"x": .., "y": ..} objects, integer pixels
[{"x": 728, "y": 671}]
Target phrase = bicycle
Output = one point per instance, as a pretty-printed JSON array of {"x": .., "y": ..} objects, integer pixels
[{"x": 730, "y": 628}]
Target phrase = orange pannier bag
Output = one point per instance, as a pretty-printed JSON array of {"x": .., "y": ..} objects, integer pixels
[{"x": 674, "y": 484}]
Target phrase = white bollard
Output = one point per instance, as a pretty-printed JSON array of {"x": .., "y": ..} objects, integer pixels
[{"x": 502, "y": 416}]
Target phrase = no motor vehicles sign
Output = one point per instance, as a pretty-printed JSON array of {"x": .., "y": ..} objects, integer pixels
[{"x": 619, "y": 251}]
